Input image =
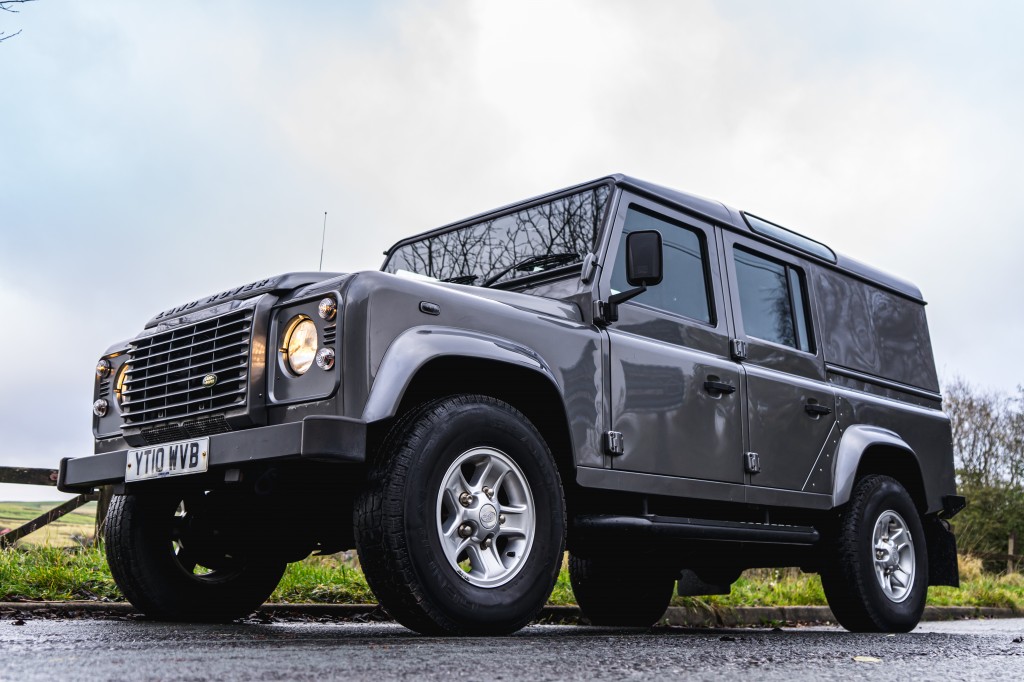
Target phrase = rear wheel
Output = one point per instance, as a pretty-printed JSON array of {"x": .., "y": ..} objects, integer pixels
[
  {"x": 164, "y": 556},
  {"x": 611, "y": 593},
  {"x": 461, "y": 526},
  {"x": 877, "y": 577}
]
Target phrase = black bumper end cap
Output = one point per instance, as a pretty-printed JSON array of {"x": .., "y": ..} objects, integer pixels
[{"x": 952, "y": 505}]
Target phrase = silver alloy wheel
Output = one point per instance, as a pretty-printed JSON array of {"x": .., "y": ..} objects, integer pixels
[
  {"x": 893, "y": 550},
  {"x": 485, "y": 517}
]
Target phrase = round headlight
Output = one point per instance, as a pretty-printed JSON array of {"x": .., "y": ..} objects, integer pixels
[
  {"x": 300, "y": 344},
  {"x": 119, "y": 382}
]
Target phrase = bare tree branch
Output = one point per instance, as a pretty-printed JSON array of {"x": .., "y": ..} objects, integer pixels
[{"x": 6, "y": 6}]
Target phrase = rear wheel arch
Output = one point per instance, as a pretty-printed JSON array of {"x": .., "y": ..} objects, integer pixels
[
  {"x": 866, "y": 450},
  {"x": 897, "y": 463}
]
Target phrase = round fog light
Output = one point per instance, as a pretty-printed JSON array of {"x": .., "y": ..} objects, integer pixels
[
  {"x": 327, "y": 309},
  {"x": 99, "y": 408},
  {"x": 325, "y": 358},
  {"x": 103, "y": 369}
]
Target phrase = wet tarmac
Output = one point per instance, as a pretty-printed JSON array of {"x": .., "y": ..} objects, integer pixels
[{"x": 132, "y": 649}]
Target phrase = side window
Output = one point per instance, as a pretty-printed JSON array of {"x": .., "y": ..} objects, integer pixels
[
  {"x": 773, "y": 300},
  {"x": 684, "y": 289}
]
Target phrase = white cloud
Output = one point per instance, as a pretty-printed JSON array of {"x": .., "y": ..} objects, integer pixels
[{"x": 164, "y": 152}]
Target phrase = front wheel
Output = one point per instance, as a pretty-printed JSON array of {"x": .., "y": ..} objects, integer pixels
[
  {"x": 164, "y": 556},
  {"x": 461, "y": 526},
  {"x": 877, "y": 577}
]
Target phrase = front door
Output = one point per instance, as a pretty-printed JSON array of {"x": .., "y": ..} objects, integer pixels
[{"x": 676, "y": 396}]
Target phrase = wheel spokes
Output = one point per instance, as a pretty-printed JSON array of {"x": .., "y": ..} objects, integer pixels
[
  {"x": 485, "y": 517},
  {"x": 894, "y": 558}
]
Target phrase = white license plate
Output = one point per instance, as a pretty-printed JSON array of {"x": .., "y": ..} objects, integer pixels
[{"x": 169, "y": 459}]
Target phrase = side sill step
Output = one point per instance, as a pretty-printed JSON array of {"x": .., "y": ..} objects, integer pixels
[{"x": 682, "y": 528}]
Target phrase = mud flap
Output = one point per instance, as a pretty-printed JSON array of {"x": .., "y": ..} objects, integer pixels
[{"x": 942, "y": 566}]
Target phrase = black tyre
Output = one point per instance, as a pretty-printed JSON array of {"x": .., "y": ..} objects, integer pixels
[
  {"x": 164, "y": 557},
  {"x": 461, "y": 526},
  {"x": 609, "y": 593},
  {"x": 877, "y": 577}
]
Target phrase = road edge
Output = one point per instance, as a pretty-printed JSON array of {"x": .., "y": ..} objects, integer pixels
[{"x": 739, "y": 616}]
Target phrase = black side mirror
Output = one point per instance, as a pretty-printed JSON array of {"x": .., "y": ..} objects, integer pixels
[
  {"x": 643, "y": 269},
  {"x": 643, "y": 258}
]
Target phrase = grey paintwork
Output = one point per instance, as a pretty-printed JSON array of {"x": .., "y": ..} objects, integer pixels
[{"x": 643, "y": 375}]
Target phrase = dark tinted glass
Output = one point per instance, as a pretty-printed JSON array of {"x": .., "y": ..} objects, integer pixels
[
  {"x": 683, "y": 289},
  {"x": 564, "y": 227},
  {"x": 771, "y": 301}
]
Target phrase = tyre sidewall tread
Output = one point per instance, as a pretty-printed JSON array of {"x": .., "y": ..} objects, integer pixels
[
  {"x": 412, "y": 576},
  {"x": 143, "y": 566},
  {"x": 850, "y": 583}
]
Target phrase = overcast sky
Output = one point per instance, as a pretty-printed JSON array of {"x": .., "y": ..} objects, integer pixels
[{"x": 151, "y": 153}]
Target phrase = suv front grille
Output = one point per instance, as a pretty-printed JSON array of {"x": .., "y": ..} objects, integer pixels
[{"x": 167, "y": 371}]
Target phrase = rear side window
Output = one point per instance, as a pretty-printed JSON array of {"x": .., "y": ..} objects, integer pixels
[
  {"x": 773, "y": 300},
  {"x": 684, "y": 288}
]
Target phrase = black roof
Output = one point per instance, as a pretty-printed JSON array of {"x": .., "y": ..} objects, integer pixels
[
  {"x": 729, "y": 217},
  {"x": 710, "y": 210}
]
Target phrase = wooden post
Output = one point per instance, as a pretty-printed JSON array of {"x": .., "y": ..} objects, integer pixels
[
  {"x": 1010, "y": 563},
  {"x": 102, "y": 504},
  {"x": 28, "y": 476}
]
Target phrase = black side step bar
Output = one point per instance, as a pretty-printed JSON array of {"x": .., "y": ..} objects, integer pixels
[{"x": 681, "y": 528}]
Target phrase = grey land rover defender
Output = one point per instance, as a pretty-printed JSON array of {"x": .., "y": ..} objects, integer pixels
[{"x": 671, "y": 390}]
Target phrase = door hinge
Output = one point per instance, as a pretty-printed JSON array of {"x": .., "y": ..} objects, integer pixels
[
  {"x": 738, "y": 348},
  {"x": 605, "y": 313},
  {"x": 614, "y": 443},
  {"x": 752, "y": 463}
]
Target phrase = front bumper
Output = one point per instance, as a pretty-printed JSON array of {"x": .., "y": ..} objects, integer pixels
[{"x": 321, "y": 438}]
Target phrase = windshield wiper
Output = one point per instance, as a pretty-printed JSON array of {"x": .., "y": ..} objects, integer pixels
[
  {"x": 534, "y": 263},
  {"x": 462, "y": 279}
]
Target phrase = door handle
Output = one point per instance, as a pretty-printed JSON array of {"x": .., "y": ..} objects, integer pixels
[
  {"x": 718, "y": 387},
  {"x": 816, "y": 409}
]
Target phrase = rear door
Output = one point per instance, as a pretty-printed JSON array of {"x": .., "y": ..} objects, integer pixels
[
  {"x": 676, "y": 395},
  {"x": 790, "y": 405}
]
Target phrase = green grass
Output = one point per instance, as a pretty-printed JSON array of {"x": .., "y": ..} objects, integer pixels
[
  {"x": 54, "y": 566},
  {"x": 334, "y": 579},
  {"x": 54, "y": 573},
  {"x": 766, "y": 587}
]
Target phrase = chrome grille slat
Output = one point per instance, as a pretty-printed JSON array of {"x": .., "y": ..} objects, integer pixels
[
  {"x": 240, "y": 354},
  {"x": 209, "y": 393},
  {"x": 171, "y": 349},
  {"x": 151, "y": 387},
  {"x": 164, "y": 383}
]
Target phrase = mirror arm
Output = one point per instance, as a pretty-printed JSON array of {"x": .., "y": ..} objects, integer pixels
[{"x": 610, "y": 310}]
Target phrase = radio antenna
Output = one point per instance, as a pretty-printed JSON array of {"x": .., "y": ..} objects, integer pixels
[{"x": 323, "y": 237}]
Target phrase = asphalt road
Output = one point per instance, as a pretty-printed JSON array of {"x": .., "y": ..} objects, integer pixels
[{"x": 90, "y": 649}]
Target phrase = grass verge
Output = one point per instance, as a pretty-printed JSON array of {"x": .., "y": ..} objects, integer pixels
[{"x": 60, "y": 573}]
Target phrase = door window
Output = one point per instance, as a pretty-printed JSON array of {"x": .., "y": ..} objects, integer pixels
[
  {"x": 684, "y": 289},
  {"x": 773, "y": 300}
]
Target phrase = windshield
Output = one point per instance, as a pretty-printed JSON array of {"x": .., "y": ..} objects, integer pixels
[{"x": 545, "y": 236}]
